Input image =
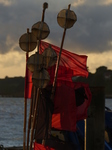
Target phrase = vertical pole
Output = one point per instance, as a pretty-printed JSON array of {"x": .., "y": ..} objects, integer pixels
[
  {"x": 96, "y": 120},
  {"x": 56, "y": 70},
  {"x": 85, "y": 127},
  {"x": 25, "y": 114},
  {"x": 25, "y": 99},
  {"x": 30, "y": 115},
  {"x": 58, "y": 60},
  {"x": 34, "y": 119},
  {"x": 25, "y": 109}
]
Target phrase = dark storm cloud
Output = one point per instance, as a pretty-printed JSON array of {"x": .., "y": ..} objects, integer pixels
[
  {"x": 14, "y": 21},
  {"x": 91, "y": 33}
]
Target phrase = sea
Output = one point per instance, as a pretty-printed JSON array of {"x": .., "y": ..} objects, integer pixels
[{"x": 12, "y": 120}]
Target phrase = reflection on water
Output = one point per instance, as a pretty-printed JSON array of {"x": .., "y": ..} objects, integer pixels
[
  {"x": 11, "y": 121},
  {"x": 108, "y": 103},
  {"x": 12, "y": 118}
]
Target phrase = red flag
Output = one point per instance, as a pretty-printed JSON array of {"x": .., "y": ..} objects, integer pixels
[
  {"x": 28, "y": 81},
  {"x": 41, "y": 147},
  {"x": 82, "y": 109},
  {"x": 70, "y": 105},
  {"x": 70, "y": 65},
  {"x": 64, "y": 115}
]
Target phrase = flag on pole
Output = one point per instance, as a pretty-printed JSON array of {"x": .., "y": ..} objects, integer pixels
[
  {"x": 38, "y": 146},
  {"x": 70, "y": 65},
  {"x": 70, "y": 105},
  {"x": 28, "y": 81},
  {"x": 71, "y": 98}
]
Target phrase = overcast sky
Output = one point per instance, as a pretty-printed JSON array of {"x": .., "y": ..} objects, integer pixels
[{"x": 91, "y": 35}]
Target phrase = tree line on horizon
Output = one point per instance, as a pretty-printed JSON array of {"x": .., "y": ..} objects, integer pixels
[{"x": 14, "y": 87}]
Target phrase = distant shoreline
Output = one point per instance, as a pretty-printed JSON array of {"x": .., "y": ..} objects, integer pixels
[
  {"x": 108, "y": 96},
  {"x": 11, "y": 96}
]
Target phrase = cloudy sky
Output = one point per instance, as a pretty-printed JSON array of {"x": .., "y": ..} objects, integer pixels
[{"x": 91, "y": 35}]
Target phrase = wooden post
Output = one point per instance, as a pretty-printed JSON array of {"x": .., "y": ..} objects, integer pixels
[
  {"x": 25, "y": 115},
  {"x": 30, "y": 114},
  {"x": 25, "y": 99},
  {"x": 34, "y": 119},
  {"x": 96, "y": 120},
  {"x": 85, "y": 120}
]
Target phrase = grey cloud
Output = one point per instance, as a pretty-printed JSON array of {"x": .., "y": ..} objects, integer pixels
[
  {"x": 94, "y": 28},
  {"x": 91, "y": 32}
]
